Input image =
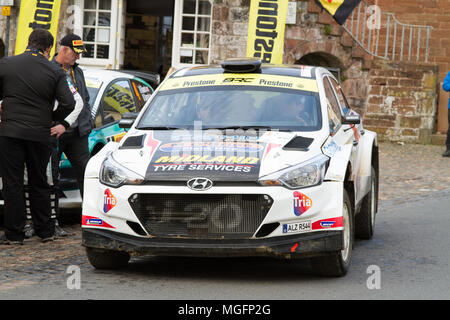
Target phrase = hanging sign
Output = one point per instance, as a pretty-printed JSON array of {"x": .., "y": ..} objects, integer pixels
[
  {"x": 267, "y": 20},
  {"x": 36, "y": 14}
]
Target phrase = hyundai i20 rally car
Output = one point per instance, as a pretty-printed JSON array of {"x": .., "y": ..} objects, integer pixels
[{"x": 241, "y": 159}]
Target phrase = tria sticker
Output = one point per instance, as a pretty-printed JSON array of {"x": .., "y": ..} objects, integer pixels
[
  {"x": 302, "y": 203},
  {"x": 109, "y": 201}
]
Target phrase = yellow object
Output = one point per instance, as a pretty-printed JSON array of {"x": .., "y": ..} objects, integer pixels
[
  {"x": 120, "y": 99},
  {"x": 36, "y": 15},
  {"x": 267, "y": 21},
  {"x": 6, "y": 11},
  {"x": 331, "y": 6}
]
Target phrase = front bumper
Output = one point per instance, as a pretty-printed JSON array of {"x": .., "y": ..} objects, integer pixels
[{"x": 293, "y": 246}]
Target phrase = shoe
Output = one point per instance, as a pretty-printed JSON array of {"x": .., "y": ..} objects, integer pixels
[
  {"x": 29, "y": 231},
  {"x": 47, "y": 239},
  {"x": 6, "y": 241},
  {"x": 59, "y": 232},
  {"x": 446, "y": 153}
]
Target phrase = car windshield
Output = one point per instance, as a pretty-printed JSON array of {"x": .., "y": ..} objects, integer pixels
[
  {"x": 234, "y": 107},
  {"x": 93, "y": 86}
]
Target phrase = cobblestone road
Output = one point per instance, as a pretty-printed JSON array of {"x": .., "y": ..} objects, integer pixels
[{"x": 406, "y": 171}]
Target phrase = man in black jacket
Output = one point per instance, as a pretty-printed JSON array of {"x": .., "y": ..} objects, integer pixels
[{"x": 29, "y": 85}]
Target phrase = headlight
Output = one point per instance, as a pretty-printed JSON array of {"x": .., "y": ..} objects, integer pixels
[
  {"x": 306, "y": 174},
  {"x": 113, "y": 174}
]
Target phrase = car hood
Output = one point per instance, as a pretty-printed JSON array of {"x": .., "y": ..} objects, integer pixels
[{"x": 165, "y": 155}]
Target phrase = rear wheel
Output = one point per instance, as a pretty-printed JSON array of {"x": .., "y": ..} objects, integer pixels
[
  {"x": 365, "y": 220},
  {"x": 337, "y": 264},
  {"x": 107, "y": 259}
]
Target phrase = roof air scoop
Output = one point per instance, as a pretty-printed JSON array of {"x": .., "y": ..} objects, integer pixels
[{"x": 242, "y": 65}]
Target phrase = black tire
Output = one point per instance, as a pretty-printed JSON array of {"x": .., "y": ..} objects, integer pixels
[
  {"x": 338, "y": 263},
  {"x": 365, "y": 219},
  {"x": 106, "y": 259}
]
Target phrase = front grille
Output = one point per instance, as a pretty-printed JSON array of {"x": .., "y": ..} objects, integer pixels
[{"x": 201, "y": 216}]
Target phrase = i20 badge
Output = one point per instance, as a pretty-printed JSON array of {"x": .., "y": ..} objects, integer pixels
[
  {"x": 302, "y": 203},
  {"x": 109, "y": 201}
]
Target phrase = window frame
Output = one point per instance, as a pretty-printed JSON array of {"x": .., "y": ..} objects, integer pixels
[
  {"x": 113, "y": 29},
  {"x": 339, "y": 116},
  {"x": 100, "y": 108},
  {"x": 178, "y": 31},
  {"x": 338, "y": 92}
]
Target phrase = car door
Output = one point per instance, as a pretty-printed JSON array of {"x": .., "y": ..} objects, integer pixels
[{"x": 350, "y": 134}]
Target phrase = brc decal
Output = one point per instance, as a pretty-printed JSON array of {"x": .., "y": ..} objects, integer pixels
[
  {"x": 228, "y": 80},
  {"x": 109, "y": 201},
  {"x": 94, "y": 222},
  {"x": 302, "y": 203}
]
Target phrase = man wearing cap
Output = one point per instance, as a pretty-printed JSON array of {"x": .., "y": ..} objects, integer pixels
[{"x": 74, "y": 142}]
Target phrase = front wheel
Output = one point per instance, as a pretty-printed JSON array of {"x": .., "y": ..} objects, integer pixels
[
  {"x": 337, "y": 263},
  {"x": 107, "y": 259}
]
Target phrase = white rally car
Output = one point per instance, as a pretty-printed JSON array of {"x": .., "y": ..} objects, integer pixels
[{"x": 240, "y": 159}]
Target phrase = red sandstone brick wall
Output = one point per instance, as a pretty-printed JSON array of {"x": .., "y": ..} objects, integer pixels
[{"x": 435, "y": 13}]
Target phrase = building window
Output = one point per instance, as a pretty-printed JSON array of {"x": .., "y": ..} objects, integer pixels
[
  {"x": 97, "y": 29},
  {"x": 194, "y": 28}
]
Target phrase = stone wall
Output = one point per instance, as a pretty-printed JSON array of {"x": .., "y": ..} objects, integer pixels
[
  {"x": 229, "y": 29},
  {"x": 402, "y": 101},
  {"x": 13, "y": 27},
  {"x": 435, "y": 13}
]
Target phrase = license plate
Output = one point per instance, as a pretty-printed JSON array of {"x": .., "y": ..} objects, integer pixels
[{"x": 297, "y": 227}]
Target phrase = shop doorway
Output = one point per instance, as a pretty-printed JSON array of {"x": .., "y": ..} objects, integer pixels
[{"x": 148, "y": 35}]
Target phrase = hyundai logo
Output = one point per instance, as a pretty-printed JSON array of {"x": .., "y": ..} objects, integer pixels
[{"x": 200, "y": 184}]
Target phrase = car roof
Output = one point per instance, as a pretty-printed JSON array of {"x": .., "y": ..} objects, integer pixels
[
  {"x": 106, "y": 75},
  {"x": 302, "y": 71}
]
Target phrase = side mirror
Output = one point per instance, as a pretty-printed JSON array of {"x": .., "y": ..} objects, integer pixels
[
  {"x": 351, "y": 119},
  {"x": 127, "y": 120}
]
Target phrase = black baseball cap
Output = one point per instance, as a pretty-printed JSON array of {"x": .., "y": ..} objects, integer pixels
[{"x": 74, "y": 42}]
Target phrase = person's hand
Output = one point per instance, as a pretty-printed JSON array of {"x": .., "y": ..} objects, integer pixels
[{"x": 57, "y": 130}]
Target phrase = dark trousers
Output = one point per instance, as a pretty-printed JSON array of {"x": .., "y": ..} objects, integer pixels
[
  {"x": 14, "y": 155},
  {"x": 76, "y": 149},
  {"x": 448, "y": 132}
]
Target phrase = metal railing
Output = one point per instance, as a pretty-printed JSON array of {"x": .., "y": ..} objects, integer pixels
[{"x": 383, "y": 36}]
